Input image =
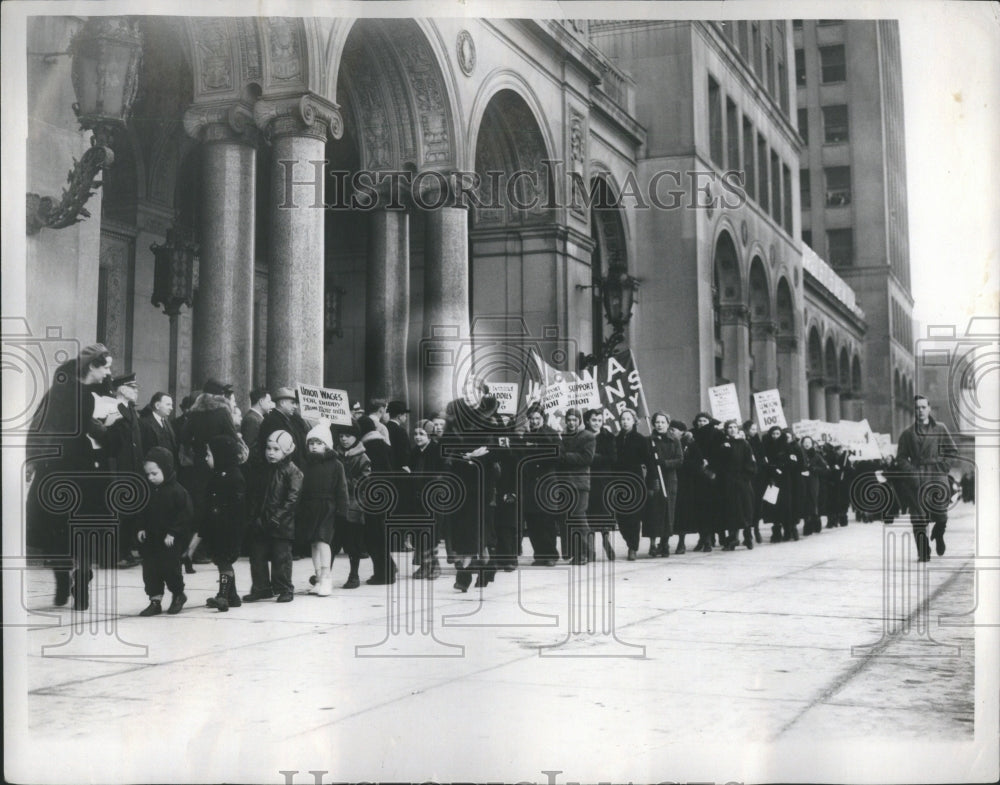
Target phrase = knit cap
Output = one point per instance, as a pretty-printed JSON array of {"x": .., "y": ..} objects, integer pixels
[
  {"x": 283, "y": 440},
  {"x": 163, "y": 458},
  {"x": 322, "y": 433}
]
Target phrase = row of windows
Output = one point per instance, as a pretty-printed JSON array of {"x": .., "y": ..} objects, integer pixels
[
  {"x": 762, "y": 46},
  {"x": 839, "y": 251},
  {"x": 837, "y": 187},
  {"x": 832, "y": 65},
  {"x": 736, "y": 146},
  {"x": 902, "y": 327}
]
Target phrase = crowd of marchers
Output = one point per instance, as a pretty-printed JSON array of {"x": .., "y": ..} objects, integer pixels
[{"x": 468, "y": 490}]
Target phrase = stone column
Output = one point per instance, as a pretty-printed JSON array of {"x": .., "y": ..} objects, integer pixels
[
  {"x": 297, "y": 128},
  {"x": 736, "y": 347},
  {"x": 792, "y": 378},
  {"x": 446, "y": 305},
  {"x": 387, "y": 305},
  {"x": 223, "y": 307},
  {"x": 833, "y": 404},
  {"x": 765, "y": 355},
  {"x": 817, "y": 400}
]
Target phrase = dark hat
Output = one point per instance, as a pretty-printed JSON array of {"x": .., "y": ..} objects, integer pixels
[
  {"x": 396, "y": 407},
  {"x": 214, "y": 387},
  {"x": 283, "y": 392},
  {"x": 680, "y": 425},
  {"x": 366, "y": 425},
  {"x": 358, "y": 407},
  {"x": 118, "y": 381},
  {"x": 163, "y": 458},
  {"x": 341, "y": 430}
]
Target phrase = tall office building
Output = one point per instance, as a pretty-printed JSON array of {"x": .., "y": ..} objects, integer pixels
[{"x": 853, "y": 187}]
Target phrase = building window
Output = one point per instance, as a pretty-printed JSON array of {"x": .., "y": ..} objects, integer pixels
[
  {"x": 715, "y": 121},
  {"x": 838, "y": 185},
  {"x": 775, "y": 188},
  {"x": 762, "y": 184},
  {"x": 804, "y": 124},
  {"x": 749, "y": 171},
  {"x": 783, "y": 86},
  {"x": 786, "y": 193},
  {"x": 800, "y": 67},
  {"x": 805, "y": 196},
  {"x": 796, "y": 24},
  {"x": 807, "y": 237},
  {"x": 743, "y": 34},
  {"x": 732, "y": 136},
  {"x": 833, "y": 63},
  {"x": 840, "y": 247},
  {"x": 835, "y": 124}
]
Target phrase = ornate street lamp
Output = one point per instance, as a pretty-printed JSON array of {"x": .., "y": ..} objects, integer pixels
[
  {"x": 106, "y": 53},
  {"x": 617, "y": 291},
  {"x": 173, "y": 286}
]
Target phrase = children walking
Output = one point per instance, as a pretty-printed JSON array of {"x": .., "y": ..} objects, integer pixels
[
  {"x": 225, "y": 519},
  {"x": 163, "y": 533},
  {"x": 324, "y": 496},
  {"x": 272, "y": 527},
  {"x": 349, "y": 531}
]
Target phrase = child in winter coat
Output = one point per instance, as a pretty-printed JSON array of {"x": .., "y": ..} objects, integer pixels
[
  {"x": 225, "y": 518},
  {"x": 272, "y": 528},
  {"x": 349, "y": 530},
  {"x": 163, "y": 532},
  {"x": 324, "y": 496}
]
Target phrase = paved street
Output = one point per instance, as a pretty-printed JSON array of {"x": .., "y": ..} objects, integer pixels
[{"x": 727, "y": 666}]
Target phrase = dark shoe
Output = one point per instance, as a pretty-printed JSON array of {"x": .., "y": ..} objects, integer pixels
[
  {"x": 353, "y": 582},
  {"x": 153, "y": 609},
  {"x": 62, "y": 587},
  {"x": 257, "y": 596},
  {"x": 177, "y": 602},
  {"x": 285, "y": 596},
  {"x": 664, "y": 549},
  {"x": 313, "y": 580},
  {"x": 939, "y": 543},
  {"x": 609, "y": 549},
  {"x": 222, "y": 598},
  {"x": 80, "y": 589},
  {"x": 756, "y": 535},
  {"x": 749, "y": 543},
  {"x": 188, "y": 565},
  {"x": 706, "y": 548},
  {"x": 795, "y": 534},
  {"x": 654, "y": 550},
  {"x": 680, "y": 550},
  {"x": 234, "y": 597},
  {"x": 631, "y": 555}
]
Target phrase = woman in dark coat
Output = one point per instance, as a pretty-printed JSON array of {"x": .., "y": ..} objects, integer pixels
[
  {"x": 605, "y": 459},
  {"x": 226, "y": 517},
  {"x": 759, "y": 481},
  {"x": 814, "y": 471},
  {"x": 633, "y": 458},
  {"x": 425, "y": 463},
  {"x": 778, "y": 470},
  {"x": 709, "y": 440},
  {"x": 737, "y": 468},
  {"x": 65, "y": 437},
  {"x": 661, "y": 507},
  {"x": 376, "y": 541},
  {"x": 323, "y": 498},
  {"x": 796, "y": 467},
  {"x": 692, "y": 485}
]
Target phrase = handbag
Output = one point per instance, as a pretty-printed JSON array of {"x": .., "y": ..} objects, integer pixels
[{"x": 771, "y": 494}]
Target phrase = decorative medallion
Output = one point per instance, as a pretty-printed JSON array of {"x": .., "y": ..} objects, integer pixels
[
  {"x": 744, "y": 233},
  {"x": 466, "y": 53}
]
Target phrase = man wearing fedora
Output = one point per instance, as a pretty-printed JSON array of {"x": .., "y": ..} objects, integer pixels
[
  {"x": 285, "y": 417},
  {"x": 399, "y": 441}
]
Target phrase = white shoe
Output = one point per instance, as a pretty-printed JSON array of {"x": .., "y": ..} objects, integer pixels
[{"x": 324, "y": 587}]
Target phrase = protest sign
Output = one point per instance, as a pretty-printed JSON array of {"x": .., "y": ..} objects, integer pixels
[
  {"x": 859, "y": 439},
  {"x": 769, "y": 411},
  {"x": 506, "y": 396},
  {"x": 322, "y": 403},
  {"x": 724, "y": 403}
]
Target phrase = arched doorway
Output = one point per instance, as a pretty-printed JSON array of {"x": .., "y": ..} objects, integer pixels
[
  {"x": 814, "y": 375},
  {"x": 607, "y": 230},
  {"x": 787, "y": 347},
  {"x": 763, "y": 346},
  {"x": 831, "y": 380},
  {"x": 730, "y": 322}
]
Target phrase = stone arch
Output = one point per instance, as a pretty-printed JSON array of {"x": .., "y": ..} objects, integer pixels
[
  {"x": 784, "y": 309},
  {"x": 726, "y": 269},
  {"x": 856, "y": 374},
  {"x": 509, "y": 139},
  {"x": 845, "y": 369},
  {"x": 814, "y": 356},
  {"x": 394, "y": 97},
  {"x": 759, "y": 291},
  {"x": 608, "y": 231},
  {"x": 830, "y": 372}
]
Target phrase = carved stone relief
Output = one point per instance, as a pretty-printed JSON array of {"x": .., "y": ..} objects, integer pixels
[
  {"x": 284, "y": 48},
  {"x": 213, "y": 55}
]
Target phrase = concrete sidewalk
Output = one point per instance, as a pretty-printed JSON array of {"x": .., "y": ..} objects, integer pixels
[{"x": 719, "y": 667}]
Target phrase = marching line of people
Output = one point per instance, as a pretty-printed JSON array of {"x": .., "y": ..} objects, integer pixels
[{"x": 273, "y": 487}]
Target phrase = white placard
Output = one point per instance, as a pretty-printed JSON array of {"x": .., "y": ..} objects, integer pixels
[
  {"x": 724, "y": 403},
  {"x": 323, "y": 403},
  {"x": 506, "y": 396},
  {"x": 769, "y": 410}
]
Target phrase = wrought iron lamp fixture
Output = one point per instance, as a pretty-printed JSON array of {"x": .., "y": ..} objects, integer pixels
[
  {"x": 173, "y": 286},
  {"x": 106, "y": 53},
  {"x": 617, "y": 291}
]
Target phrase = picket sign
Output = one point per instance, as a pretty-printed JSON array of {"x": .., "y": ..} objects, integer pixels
[
  {"x": 506, "y": 396},
  {"x": 767, "y": 403},
  {"x": 724, "y": 403},
  {"x": 323, "y": 403}
]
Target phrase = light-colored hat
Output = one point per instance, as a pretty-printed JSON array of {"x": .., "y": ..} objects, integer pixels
[{"x": 283, "y": 440}]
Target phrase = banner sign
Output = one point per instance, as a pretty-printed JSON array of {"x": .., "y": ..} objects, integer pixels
[
  {"x": 506, "y": 396},
  {"x": 769, "y": 411},
  {"x": 724, "y": 403},
  {"x": 817, "y": 430},
  {"x": 612, "y": 386},
  {"x": 322, "y": 403},
  {"x": 859, "y": 439}
]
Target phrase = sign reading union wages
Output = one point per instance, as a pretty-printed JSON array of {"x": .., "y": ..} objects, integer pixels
[
  {"x": 769, "y": 411},
  {"x": 322, "y": 403}
]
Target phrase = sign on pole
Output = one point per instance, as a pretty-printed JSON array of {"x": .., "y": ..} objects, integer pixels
[
  {"x": 322, "y": 403},
  {"x": 506, "y": 396},
  {"x": 724, "y": 403},
  {"x": 769, "y": 411}
]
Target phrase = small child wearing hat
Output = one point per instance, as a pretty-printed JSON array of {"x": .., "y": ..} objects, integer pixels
[
  {"x": 162, "y": 532},
  {"x": 272, "y": 527},
  {"x": 324, "y": 497},
  {"x": 349, "y": 531}
]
